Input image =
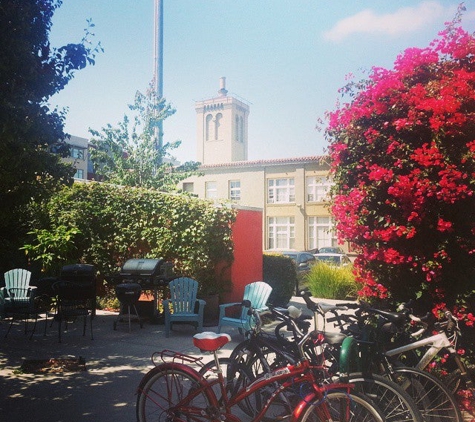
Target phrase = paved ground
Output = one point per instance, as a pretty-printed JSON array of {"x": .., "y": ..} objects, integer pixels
[{"x": 115, "y": 361}]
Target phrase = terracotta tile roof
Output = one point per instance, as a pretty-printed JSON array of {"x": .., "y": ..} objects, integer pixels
[{"x": 278, "y": 161}]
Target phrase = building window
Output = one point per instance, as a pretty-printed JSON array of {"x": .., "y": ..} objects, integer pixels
[
  {"x": 217, "y": 126},
  {"x": 318, "y": 189},
  {"x": 188, "y": 187},
  {"x": 234, "y": 190},
  {"x": 209, "y": 118},
  {"x": 77, "y": 153},
  {"x": 320, "y": 232},
  {"x": 280, "y": 191},
  {"x": 79, "y": 174},
  {"x": 211, "y": 190},
  {"x": 281, "y": 232}
]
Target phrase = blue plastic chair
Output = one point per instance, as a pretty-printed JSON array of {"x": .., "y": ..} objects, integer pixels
[
  {"x": 183, "y": 306},
  {"x": 17, "y": 290},
  {"x": 257, "y": 293},
  {"x": 17, "y": 298}
]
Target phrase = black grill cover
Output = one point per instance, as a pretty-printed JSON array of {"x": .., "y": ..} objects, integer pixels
[{"x": 128, "y": 293}]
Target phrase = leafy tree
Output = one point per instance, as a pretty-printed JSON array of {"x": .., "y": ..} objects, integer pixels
[
  {"x": 402, "y": 153},
  {"x": 31, "y": 71},
  {"x": 130, "y": 156}
]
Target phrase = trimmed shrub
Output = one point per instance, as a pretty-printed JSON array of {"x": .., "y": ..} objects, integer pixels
[
  {"x": 106, "y": 225},
  {"x": 280, "y": 273},
  {"x": 330, "y": 282}
]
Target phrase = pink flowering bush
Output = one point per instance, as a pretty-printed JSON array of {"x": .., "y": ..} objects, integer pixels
[{"x": 402, "y": 152}]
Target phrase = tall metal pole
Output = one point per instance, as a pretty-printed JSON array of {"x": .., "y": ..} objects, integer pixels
[{"x": 158, "y": 64}]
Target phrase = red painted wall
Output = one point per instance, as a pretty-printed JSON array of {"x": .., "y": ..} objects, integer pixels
[{"x": 247, "y": 265}]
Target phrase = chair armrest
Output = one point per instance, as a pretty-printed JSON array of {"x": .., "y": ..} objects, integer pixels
[
  {"x": 33, "y": 291},
  {"x": 263, "y": 309},
  {"x": 224, "y": 306},
  {"x": 201, "y": 306}
]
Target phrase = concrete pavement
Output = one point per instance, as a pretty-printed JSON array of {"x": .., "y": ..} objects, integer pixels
[{"x": 115, "y": 362}]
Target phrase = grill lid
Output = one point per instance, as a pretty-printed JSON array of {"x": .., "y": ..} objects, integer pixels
[{"x": 144, "y": 267}]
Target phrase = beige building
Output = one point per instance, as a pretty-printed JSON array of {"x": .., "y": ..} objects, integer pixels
[{"x": 292, "y": 192}]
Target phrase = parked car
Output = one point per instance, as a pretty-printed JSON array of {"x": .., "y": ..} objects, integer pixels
[
  {"x": 303, "y": 262},
  {"x": 330, "y": 249},
  {"x": 336, "y": 259}
]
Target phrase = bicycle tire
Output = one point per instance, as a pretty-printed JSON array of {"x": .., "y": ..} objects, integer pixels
[
  {"x": 355, "y": 408},
  {"x": 396, "y": 404},
  {"x": 433, "y": 398},
  {"x": 455, "y": 381},
  {"x": 165, "y": 385},
  {"x": 261, "y": 356},
  {"x": 209, "y": 372}
]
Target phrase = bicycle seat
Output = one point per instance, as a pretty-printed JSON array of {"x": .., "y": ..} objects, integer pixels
[{"x": 209, "y": 341}]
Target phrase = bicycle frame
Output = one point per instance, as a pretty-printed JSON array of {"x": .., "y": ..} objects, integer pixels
[
  {"x": 280, "y": 380},
  {"x": 286, "y": 378},
  {"x": 436, "y": 342}
]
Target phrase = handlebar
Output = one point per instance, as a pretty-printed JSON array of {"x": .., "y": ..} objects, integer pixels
[{"x": 309, "y": 302}]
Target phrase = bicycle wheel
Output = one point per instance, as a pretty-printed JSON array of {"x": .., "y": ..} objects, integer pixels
[
  {"x": 261, "y": 357},
  {"x": 342, "y": 407},
  {"x": 174, "y": 392},
  {"x": 390, "y": 398},
  {"x": 433, "y": 398},
  {"x": 237, "y": 377},
  {"x": 210, "y": 373}
]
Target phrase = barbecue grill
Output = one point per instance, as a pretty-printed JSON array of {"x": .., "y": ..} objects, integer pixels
[
  {"x": 128, "y": 295},
  {"x": 151, "y": 274},
  {"x": 147, "y": 272}
]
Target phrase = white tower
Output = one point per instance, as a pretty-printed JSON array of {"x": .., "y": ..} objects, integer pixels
[{"x": 222, "y": 128}]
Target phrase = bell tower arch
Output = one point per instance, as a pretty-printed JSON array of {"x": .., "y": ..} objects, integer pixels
[{"x": 222, "y": 128}]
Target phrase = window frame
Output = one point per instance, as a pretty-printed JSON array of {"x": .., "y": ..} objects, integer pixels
[
  {"x": 77, "y": 153},
  {"x": 186, "y": 185},
  {"x": 211, "y": 192},
  {"x": 234, "y": 192},
  {"x": 318, "y": 188},
  {"x": 281, "y": 193},
  {"x": 278, "y": 226},
  {"x": 76, "y": 175},
  {"x": 313, "y": 226}
]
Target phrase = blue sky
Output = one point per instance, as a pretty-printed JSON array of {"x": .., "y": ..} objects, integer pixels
[{"x": 287, "y": 58}]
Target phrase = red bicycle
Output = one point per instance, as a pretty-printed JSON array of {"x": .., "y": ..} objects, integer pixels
[{"x": 173, "y": 391}]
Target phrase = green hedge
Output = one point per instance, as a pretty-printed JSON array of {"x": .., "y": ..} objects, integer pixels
[
  {"x": 279, "y": 271},
  {"x": 105, "y": 225}
]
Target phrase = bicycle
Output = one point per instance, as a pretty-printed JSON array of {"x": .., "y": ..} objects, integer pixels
[
  {"x": 261, "y": 353},
  {"x": 362, "y": 349},
  {"x": 174, "y": 391},
  {"x": 445, "y": 341}
]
